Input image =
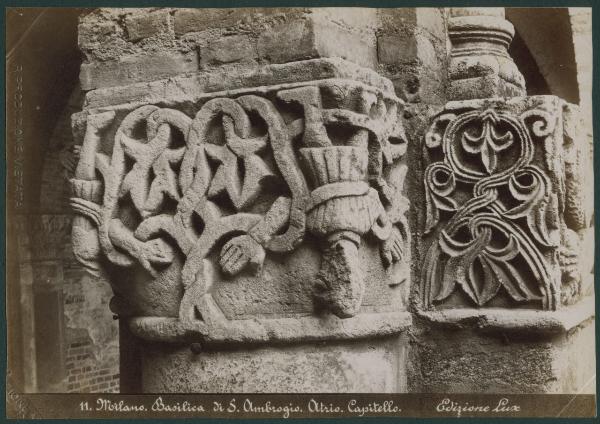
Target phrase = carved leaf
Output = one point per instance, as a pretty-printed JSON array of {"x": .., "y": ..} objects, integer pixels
[
  {"x": 462, "y": 256},
  {"x": 501, "y": 272},
  {"x": 529, "y": 186},
  {"x": 148, "y": 191},
  {"x": 488, "y": 143},
  {"x": 508, "y": 276}
]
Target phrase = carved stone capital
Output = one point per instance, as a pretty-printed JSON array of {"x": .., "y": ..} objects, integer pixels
[
  {"x": 252, "y": 215},
  {"x": 506, "y": 216}
]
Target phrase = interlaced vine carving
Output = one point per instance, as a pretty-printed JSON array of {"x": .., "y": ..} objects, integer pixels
[
  {"x": 490, "y": 208},
  {"x": 172, "y": 183}
]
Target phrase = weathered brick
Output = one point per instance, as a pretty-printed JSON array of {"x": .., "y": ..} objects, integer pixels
[
  {"x": 146, "y": 25},
  {"x": 190, "y": 20},
  {"x": 228, "y": 49},
  {"x": 94, "y": 32},
  {"x": 289, "y": 41},
  {"x": 195, "y": 20}
]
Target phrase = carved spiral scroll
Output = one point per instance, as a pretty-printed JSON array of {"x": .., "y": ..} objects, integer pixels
[{"x": 496, "y": 236}]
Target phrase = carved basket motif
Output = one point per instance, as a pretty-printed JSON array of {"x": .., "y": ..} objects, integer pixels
[{"x": 342, "y": 199}]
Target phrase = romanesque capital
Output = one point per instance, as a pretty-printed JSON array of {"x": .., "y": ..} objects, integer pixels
[
  {"x": 480, "y": 65},
  {"x": 263, "y": 213},
  {"x": 505, "y": 186}
]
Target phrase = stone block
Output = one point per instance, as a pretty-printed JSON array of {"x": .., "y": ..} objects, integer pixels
[
  {"x": 315, "y": 37},
  {"x": 137, "y": 68},
  {"x": 228, "y": 49},
  {"x": 428, "y": 56},
  {"x": 288, "y": 42},
  {"x": 349, "y": 17},
  {"x": 400, "y": 49},
  {"x": 146, "y": 25},
  {"x": 191, "y": 20},
  {"x": 336, "y": 41},
  {"x": 396, "y": 48},
  {"x": 524, "y": 352},
  {"x": 197, "y": 20},
  {"x": 91, "y": 33},
  {"x": 433, "y": 21},
  {"x": 399, "y": 18},
  {"x": 372, "y": 366},
  {"x": 412, "y": 51},
  {"x": 407, "y": 20}
]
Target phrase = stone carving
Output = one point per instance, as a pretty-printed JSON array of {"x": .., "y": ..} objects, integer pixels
[
  {"x": 480, "y": 65},
  {"x": 68, "y": 157},
  {"x": 245, "y": 176},
  {"x": 501, "y": 189}
]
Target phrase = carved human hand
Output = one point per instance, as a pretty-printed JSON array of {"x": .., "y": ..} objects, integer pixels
[
  {"x": 69, "y": 157},
  {"x": 155, "y": 251},
  {"x": 392, "y": 249},
  {"x": 240, "y": 252}
]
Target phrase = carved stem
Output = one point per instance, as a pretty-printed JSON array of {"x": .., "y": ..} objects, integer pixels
[
  {"x": 86, "y": 169},
  {"x": 86, "y": 245}
]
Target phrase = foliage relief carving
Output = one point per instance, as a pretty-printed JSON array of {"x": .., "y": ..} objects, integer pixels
[
  {"x": 175, "y": 183},
  {"x": 500, "y": 221}
]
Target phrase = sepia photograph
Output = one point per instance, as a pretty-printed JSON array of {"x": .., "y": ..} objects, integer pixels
[{"x": 299, "y": 212}]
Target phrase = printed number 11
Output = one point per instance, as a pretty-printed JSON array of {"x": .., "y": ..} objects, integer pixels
[{"x": 83, "y": 406}]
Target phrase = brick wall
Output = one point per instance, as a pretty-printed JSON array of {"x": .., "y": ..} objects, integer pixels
[{"x": 85, "y": 374}]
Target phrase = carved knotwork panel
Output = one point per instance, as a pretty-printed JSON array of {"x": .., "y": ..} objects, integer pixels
[
  {"x": 504, "y": 208},
  {"x": 281, "y": 202}
]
